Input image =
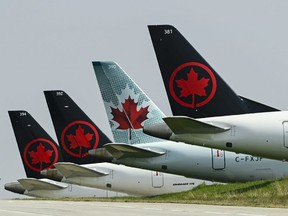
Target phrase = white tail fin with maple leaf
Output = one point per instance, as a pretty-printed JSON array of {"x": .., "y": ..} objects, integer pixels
[{"x": 128, "y": 108}]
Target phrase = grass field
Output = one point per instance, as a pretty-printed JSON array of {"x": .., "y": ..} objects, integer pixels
[{"x": 264, "y": 193}]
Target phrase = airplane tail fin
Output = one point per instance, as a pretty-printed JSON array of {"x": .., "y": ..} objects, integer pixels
[
  {"x": 76, "y": 132},
  {"x": 128, "y": 108},
  {"x": 193, "y": 87},
  {"x": 37, "y": 149},
  {"x": 255, "y": 107}
]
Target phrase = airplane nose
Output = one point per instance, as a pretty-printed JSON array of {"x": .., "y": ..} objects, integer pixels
[
  {"x": 15, "y": 187},
  {"x": 160, "y": 130}
]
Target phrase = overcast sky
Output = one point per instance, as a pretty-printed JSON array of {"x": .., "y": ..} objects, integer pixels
[{"x": 51, "y": 44}]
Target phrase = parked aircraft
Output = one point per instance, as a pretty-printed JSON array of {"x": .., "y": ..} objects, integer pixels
[
  {"x": 39, "y": 151},
  {"x": 77, "y": 134},
  {"x": 193, "y": 88},
  {"x": 262, "y": 134},
  {"x": 129, "y": 110}
]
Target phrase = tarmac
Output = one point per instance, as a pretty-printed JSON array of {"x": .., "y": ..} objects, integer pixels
[{"x": 57, "y": 208}]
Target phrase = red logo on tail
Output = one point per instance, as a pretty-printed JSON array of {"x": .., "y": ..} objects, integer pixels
[
  {"x": 130, "y": 117},
  {"x": 192, "y": 85},
  {"x": 78, "y": 138},
  {"x": 40, "y": 154}
]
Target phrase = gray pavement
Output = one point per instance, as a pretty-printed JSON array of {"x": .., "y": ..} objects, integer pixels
[{"x": 55, "y": 208}]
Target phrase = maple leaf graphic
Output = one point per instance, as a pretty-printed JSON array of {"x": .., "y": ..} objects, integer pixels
[
  {"x": 130, "y": 117},
  {"x": 40, "y": 156},
  {"x": 193, "y": 86},
  {"x": 79, "y": 139}
]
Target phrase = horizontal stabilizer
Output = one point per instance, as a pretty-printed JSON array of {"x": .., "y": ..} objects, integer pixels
[
  {"x": 15, "y": 187},
  {"x": 31, "y": 184},
  {"x": 182, "y": 125},
  {"x": 70, "y": 170},
  {"x": 121, "y": 150}
]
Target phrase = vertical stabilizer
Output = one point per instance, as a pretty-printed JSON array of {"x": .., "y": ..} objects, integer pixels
[
  {"x": 193, "y": 87},
  {"x": 37, "y": 149},
  {"x": 76, "y": 132},
  {"x": 128, "y": 108}
]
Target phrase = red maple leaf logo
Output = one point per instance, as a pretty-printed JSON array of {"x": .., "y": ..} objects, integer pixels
[
  {"x": 193, "y": 86},
  {"x": 130, "y": 117},
  {"x": 40, "y": 156},
  {"x": 79, "y": 139}
]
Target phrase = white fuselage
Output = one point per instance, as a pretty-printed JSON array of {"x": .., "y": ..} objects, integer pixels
[
  {"x": 134, "y": 181},
  {"x": 260, "y": 134},
  {"x": 209, "y": 164},
  {"x": 68, "y": 190}
]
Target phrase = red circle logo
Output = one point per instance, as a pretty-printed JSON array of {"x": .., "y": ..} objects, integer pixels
[
  {"x": 78, "y": 138},
  {"x": 40, "y": 154},
  {"x": 192, "y": 84}
]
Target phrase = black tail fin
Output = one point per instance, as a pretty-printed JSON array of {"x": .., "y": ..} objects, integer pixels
[
  {"x": 76, "y": 132},
  {"x": 194, "y": 88},
  {"x": 37, "y": 149},
  {"x": 255, "y": 107}
]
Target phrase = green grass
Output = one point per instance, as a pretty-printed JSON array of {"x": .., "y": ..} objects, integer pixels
[{"x": 264, "y": 193}]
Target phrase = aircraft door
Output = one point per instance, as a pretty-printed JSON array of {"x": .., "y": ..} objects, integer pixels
[
  {"x": 218, "y": 159},
  {"x": 157, "y": 179},
  {"x": 285, "y": 134}
]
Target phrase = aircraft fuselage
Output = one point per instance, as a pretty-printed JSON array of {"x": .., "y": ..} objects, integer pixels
[
  {"x": 209, "y": 164},
  {"x": 261, "y": 134}
]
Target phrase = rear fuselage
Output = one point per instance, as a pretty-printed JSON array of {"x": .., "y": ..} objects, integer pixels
[
  {"x": 209, "y": 164},
  {"x": 260, "y": 134},
  {"x": 134, "y": 181}
]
